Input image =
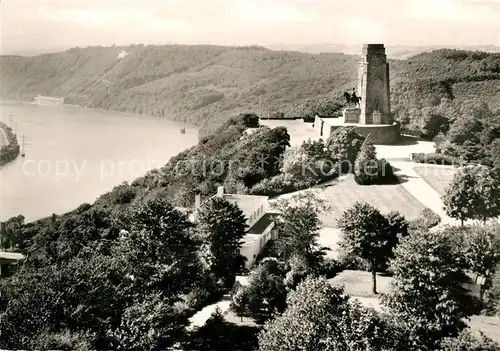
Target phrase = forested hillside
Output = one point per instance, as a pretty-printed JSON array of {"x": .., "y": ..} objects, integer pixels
[{"x": 205, "y": 85}]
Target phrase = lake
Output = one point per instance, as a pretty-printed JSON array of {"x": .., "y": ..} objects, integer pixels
[{"x": 73, "y": 155}]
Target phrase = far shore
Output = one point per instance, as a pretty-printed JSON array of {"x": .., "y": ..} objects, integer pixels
[{"x": 124, "y": 113}]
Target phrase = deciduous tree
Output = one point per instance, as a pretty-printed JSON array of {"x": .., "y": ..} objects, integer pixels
[
  {"x": 222, "y": 226},
  {"x": 160, "y": 250},
  {"x": 426, "y": 296},
  {"x": 473, "y": 194},
  {"x": 266, "y": 292},
  {"x": 320, "y": 317},
  {"x": 344, "y": 145},
  {"x": 298, "y": 224},
  {"x": 151, "y": 323},
  {"x": 481, "y": 248},
  {"x": 364, "y": 234}
]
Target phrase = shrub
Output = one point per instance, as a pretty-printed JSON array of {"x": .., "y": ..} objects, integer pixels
[
  {"x": 281, "y": 184},
  {"x": 431, "y": 219},
  {"x": 123, "y": 194},
  {"x": 209, "y": 99},
  {"x": 330, "y": 267},
  {"x": 200, "y": 297},
  {"x": 383, "y": 174},
  {"x": 284, "y": 183},
  {"x": 491, "y": 298},
  {"x": 426, "y": 220},
  {"x": 467, "y": 341},
  {"x": 369, "y": 170},
  {"x": 434, "y": 158},
  {"x": 277, "y": 115},
  {"x": 352, "y": 262},
  {"x": 298, "y": 270},
  {"x": 63, "y": 340},
  {"x": 265, "y": 293},
  {"x": 250, "y": 120},
  {"x": 269, "y": 250}
]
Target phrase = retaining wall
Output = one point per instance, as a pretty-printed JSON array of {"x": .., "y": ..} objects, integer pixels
[{"x": 380, "y": 134}]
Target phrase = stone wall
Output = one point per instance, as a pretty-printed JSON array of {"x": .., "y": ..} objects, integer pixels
[{"x": 381, "y": 135}]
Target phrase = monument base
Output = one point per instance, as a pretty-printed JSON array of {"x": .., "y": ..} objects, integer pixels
[
  {"x": 381, "y": 134},
  {"x": 351, "y": 115},
  {"x": 388, "y": 134}
]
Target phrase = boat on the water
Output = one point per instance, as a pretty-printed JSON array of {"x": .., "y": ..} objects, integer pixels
[{"x": 183, "y": 129}]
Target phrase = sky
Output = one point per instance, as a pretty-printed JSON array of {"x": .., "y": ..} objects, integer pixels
[{"x": 44, "y": 25}]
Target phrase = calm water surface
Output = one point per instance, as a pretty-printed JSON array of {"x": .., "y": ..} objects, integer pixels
[{"x": 73, "y": 155}]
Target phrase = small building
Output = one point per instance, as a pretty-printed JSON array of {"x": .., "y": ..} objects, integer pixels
[
  {"x": 475, "y": 284},
  {"x": 49, "y": 100},
  {"x": 9, "y": 262},
  {"x": 122, "y": 54},
  {"x": 260, "y": 222}
]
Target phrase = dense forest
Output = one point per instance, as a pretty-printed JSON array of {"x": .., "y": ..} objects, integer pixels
[
  {"x": 129, "y": 271},
  {"x": 206, "y": 85}
]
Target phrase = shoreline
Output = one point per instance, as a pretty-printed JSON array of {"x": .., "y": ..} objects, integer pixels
[
  {"x": 11, "y": 149},
  {"x": 6, "y": 100}
]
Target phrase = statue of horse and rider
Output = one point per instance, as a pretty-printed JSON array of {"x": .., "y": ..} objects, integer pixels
[{"x": 352, "y": 99}]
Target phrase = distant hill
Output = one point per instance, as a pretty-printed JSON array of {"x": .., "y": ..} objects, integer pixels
[
  {"x": 393, "y": 51},
  {"x": 206, "y": 85}
]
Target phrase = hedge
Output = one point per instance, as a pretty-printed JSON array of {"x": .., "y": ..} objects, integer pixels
[{"x": 433, "y": 158}]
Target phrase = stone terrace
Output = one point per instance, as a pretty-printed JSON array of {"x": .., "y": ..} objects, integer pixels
[{"x": 298, "y": 130}]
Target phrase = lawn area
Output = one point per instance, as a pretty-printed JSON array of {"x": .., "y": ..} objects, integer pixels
[
  {"x": 438, "y": 177},
  {"x": 386, "y": 198},
  {"x": 231, "y": 317},
  {"x": 490, "y": 326},
  {"x": 359, "y": 283}
]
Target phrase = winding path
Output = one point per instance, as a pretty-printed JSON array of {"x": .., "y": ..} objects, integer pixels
[{"x": 200, "y": 318}]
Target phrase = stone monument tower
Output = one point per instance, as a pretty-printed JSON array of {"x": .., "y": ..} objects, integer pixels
[
  {"x": 373, "y": 86},
  {"x": 369, "y": 109}
]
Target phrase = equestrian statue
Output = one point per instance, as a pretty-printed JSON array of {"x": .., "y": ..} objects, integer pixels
[{"x": 352, "y": 99}]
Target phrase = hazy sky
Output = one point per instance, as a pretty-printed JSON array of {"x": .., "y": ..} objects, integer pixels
[{"x": 35, "y": 25}]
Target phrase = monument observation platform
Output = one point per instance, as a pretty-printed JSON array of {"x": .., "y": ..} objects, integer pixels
[{"x": 370, "y": 112}]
